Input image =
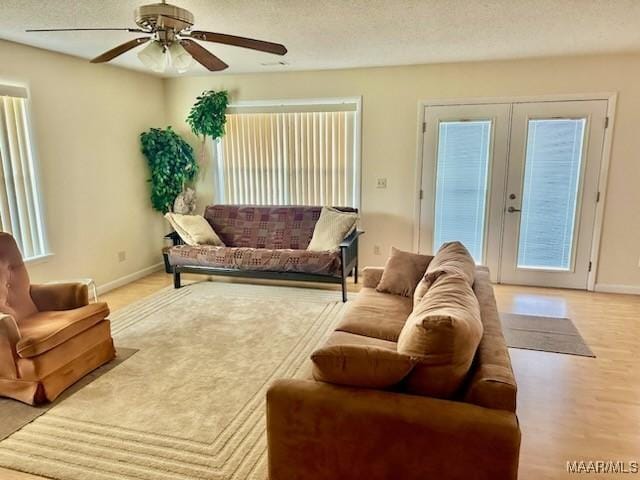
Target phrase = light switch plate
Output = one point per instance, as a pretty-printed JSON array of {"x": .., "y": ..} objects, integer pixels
[{"x": 381, "y": 183}]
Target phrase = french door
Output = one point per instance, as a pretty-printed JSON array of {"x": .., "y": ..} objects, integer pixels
[{"x": 517, "y": 184}]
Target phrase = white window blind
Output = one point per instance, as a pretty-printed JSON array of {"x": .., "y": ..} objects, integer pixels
[
  {"x": 461, "y": 184},
  {"x": 20, "y": 212},
  {"x": 289, "y": 158}
]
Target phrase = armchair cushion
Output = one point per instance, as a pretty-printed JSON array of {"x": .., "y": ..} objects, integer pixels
[
  {"x": 14, "y": 281},
  {"x": 59, "y": 296},
  {"x": 9, "y": 337},
  {"x": 43, "y": 331}
]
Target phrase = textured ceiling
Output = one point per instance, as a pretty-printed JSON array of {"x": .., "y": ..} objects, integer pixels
[{"x": 348, "y": 33}]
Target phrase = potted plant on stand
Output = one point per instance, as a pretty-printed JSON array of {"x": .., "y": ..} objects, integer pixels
[{"x": 172, "y": 166}]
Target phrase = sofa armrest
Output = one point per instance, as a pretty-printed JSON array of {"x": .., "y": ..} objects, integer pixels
[
  {"x": 59, "y": 296},
  {"x": 371, "y": 276},
  {"x": 9, "y": 337},
  {"x": 317, "y": 431}
]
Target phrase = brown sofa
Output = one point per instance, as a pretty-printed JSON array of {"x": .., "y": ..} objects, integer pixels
[
  {"x": 50, "y": 335},
  {"x": 320, "y": 431},
  {"x": 265, "y": 242}
]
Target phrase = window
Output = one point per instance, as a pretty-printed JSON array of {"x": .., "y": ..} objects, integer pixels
[
  {"x": 20, "y": 211},
  {"x": 291, "y": 154}
]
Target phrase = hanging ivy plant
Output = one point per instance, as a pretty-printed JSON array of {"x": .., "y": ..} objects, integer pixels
[
  {"x": 207, "y": 116},
  {"x": 172, "y": 165}
]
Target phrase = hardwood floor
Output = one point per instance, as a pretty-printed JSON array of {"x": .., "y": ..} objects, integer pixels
[{"x": 570, "y": 407}]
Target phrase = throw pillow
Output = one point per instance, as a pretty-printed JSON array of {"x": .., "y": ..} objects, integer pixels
[
  {"x": 360, "y": 366},
  {"x": 442, "y": 335},
  {"x": 331, "y": 229},
  {"x": 402, "y": 272},
  {"x": 194, "y": 229},
  {"x": 451, "y": 257}
]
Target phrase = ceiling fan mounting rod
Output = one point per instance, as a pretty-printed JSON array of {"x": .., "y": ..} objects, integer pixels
[{"x": 161, "y": 16}]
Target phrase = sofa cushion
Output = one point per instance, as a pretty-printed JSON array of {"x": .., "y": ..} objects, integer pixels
[
  {"x": 257, "y": 259},
  {"x": 402, "y": 272},
  {"x": 193, "y": 229},
  {"x": 345, "y": 338},
  {"x": 331, "y": 229},
  {"x": 272, "y": 227},
  {"x": 492, "y": 383},
  {"x": 43, "y": 331},
  {"x": 360, "y": 366},
  {"x": 442, "y": 333},
  {"x": 377, "y": 315},
  {"x": 450, "y": 257}
]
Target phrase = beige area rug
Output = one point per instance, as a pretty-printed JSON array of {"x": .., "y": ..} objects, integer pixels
[
  {"x": 14, "y": 415},
  {"x": 546, "y": 334},
  {"x": 190, "y": 404}
]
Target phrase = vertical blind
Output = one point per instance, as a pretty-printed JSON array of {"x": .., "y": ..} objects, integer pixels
[
  {"x": 289, "y": 158},
  {"x": 19, "y": 203},
  {"x": 550, "y": 196},
  {"x": 461, "y": 184}
]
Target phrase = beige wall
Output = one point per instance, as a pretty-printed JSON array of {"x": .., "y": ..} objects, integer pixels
[
  {"x": 390, "y": 103},
  {"x": 86, "y": 120}
]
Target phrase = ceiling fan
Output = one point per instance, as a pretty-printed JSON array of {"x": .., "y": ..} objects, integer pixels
[{"x": 168, "y": 28}]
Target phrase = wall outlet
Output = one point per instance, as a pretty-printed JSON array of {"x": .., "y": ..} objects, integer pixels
[
  {"x": 376, "y": 249},
  {"x": 122, "y": 256},
  {"x": 381, "y": 183}
]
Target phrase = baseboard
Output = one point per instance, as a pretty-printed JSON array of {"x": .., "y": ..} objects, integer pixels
[
  {"x": 132, "y": 277},
  {"x": 608, "y": 288}
]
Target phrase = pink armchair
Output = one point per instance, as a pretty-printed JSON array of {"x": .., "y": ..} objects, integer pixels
[{"x": 50, "y": 336}]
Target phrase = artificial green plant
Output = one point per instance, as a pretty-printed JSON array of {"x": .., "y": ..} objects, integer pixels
[
  {"x": 208, "y": 116},
  {"x": 172, "y": 165}
]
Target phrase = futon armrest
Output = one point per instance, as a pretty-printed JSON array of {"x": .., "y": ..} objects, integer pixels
[
  {"x": 9, "y": 337},
  {"x": 59, "y": 296},
  {"x": 175, "y": 238},
  {"x": 351, "y": 238},
  {"x": 371, "y": 276},
  {"x": 318, "y": 431}
]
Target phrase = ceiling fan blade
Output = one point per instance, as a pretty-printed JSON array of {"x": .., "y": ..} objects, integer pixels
[
  {"x": 243, "y": 42},
  {"x": 203, "y": 56},
  {"x": 136, "y": 30},
  {"x": 120, "y": 49}
]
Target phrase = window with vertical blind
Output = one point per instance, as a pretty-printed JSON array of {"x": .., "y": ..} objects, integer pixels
[
  {"x": 461, "y": 184},
  {"x": 290, "y": 155},
  {"x": 20, "y": 210}
]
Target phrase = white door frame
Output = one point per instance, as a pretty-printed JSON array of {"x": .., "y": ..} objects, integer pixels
[{"x": 610, "y": 97}]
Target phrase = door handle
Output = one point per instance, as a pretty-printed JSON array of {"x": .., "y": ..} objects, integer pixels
[{"x": 513, "y": 210}]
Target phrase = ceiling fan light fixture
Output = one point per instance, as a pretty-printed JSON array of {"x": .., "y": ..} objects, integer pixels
[
  {"x": 180, "y": 58},
  {"x": 153, "y": 56}
]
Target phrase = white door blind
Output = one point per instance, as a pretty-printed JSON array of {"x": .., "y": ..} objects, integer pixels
[
  {"x": 19, "y": 206},
  {"x": 550, "y": 194},
  {"x": 461, "y": 184},
  {"x": 289, "y": 158}
]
